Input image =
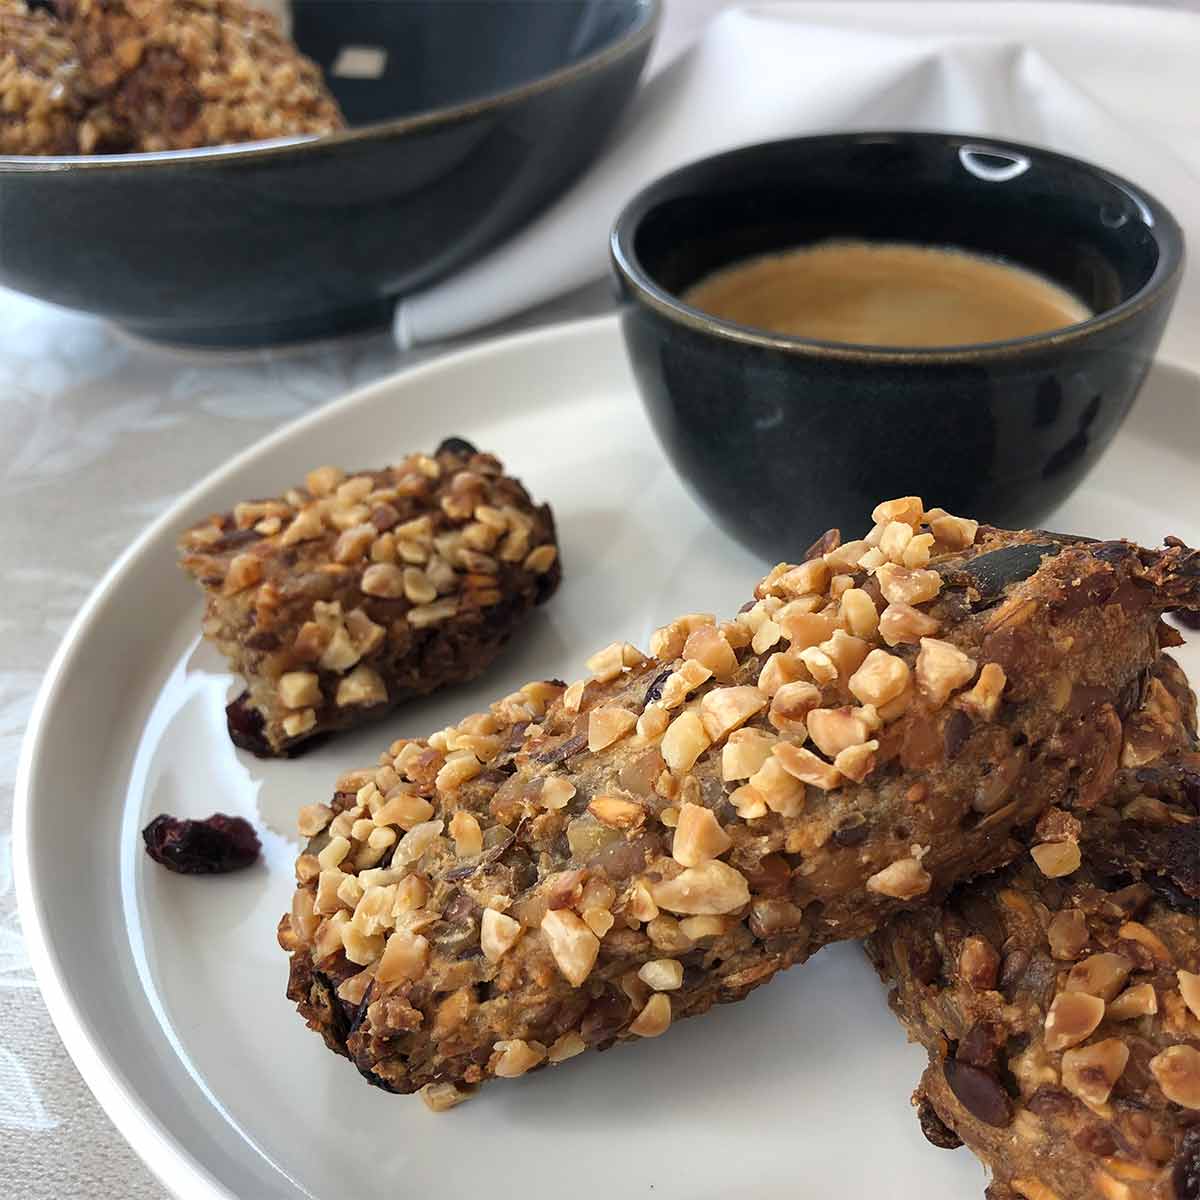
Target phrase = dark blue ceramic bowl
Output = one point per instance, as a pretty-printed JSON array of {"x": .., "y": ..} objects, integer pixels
[
  {"x": 485, "y": 111},
  {"x": 778, "y": 436}
]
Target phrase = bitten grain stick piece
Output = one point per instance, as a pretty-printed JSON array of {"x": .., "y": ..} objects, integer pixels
[
  {"x": 873, "y": 727},
  {"x": 1062, "y": 1015},
  {"x": 176, "y": 74},
  {"x": 353, "y": 593}
]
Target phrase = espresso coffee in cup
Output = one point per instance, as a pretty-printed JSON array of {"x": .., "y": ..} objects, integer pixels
[{"x": 886, "y": 294}]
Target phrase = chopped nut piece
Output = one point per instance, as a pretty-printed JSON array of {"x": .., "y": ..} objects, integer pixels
[
  {"x": 567, "y": 1046},
  {"x": 835, "y": 729},
  {"x": 1072, "y": 1017},
  {"x": 902, "y": 585},
  {"x": 1135, "y": 931},
  {"x": 605, "y": 665},
  {"x": 1067, "y": 933},
  {"x": 978, "y": 963},
  {"x": 780, "y": 668},
  {"x": 404, "y": 808},
  {"x": 765, "y": 636},
  {"x": 362, "y": 686},
  {"x": 744, "y": 753},
  {"x": 780, "y": 790},
  {"x": 710, "y": 647},
  {"x": 654, "y": 1019},
  {"x": 903, "y": 623},
  {"x": 805, "y": 766},
  {"x": 244, "y": 571},
  {"x": 698, "y": 836},
  {"x": 362, "y": 948},
  {"x": 696, "y": 928},
  {"x": 894, "y": 540},
  {"x": 918, "y": 551},
  {"x": 667, "y": 643},
  {"x": 415, "y": 842},
  {"x": 955, "y": 533},
  {"x": 1100, "y": 975},
  {"x": 662, "y": 974},
  {"x": 1055, "y": 859},
  {"x": 1141, "y": 1000},
  {"x": 808, "y": 577},
  {"x": 598, "y": 920},
  {"x": 299, "y": 689},
  {"x": 1177, "y": 1071},
  {"x": 791, "y": 705},
  {"x": 607, "y": 724},
  {"x": 441, "y": 1097},
  {"x": 679, "y": 683},
  {"x": 902, "y": 880},
  {"x": 313, "y": 818},
  {"x": 803, "y": 629},
  {"x": 857, "y": 762},
  {"x": 418, "y": 588},
  {"x": 540, "y": 559},
  {"x": 748, "y": 801},
  {"x": 909, "y": 509},
  {"x": 498, "y": 934},
  {"x": 882, "y": 678},
  {"x": 556, "y": 792},
  {"x": 653, "y": 722},
  {"x": 818, "y": 664},
  {"x": 941, "y": 668},
  {"x": 1090, "y": 1072},
  {"x": 515, "y": 1056},
  {"x": 1189, "y": 989},
  {"x": 383, "y": 579},
  {"x": 684, "y": 742},
  {"x": 641, "y": 904},
  {"x": 335, "y": 851},
  {"x": 617, "y": 811},
  {"x": 572, "y": 943},
  {"x": 984, "y": 698},
  {"x": 459, "y": 768},
  {"x": 424, "y": 615},
  {"x": 845, "y": 557},
  {"x": 468, "y": 836},
  {"x": 723, "y": 709},
  {"x": 847, "y": 653},
  {"x": 712, "y": 888}
]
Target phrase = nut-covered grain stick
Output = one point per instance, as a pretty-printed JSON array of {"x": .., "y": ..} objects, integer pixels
[
  {"x": 585, "y": 864},
  {"x": 354, "y": 593},
  {"x": 1062, "y": 1015}
]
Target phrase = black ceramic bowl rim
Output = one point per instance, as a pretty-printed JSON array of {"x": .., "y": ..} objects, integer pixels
[
  {"x": 641, "y": 32},
  {"x": 1164, "y": 228}
]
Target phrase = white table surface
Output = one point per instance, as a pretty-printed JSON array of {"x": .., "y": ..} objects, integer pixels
[{"x": 97, "y": 435}]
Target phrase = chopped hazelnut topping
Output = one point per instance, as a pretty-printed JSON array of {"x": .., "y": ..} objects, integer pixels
[
  {"x": 572, "y": 943},
  {"x": 1072, "y": 1017},
  {"x": 833, "y": 730},
  {"x": 984, "y": 698},
  {"x": 1055, "y": 859},
  {"x": 791, "y": 705},
  {"x": 415, "y": 842},
  {"x": 902, "y": 880},
  {"x": 468, "y": 836},
  {"x": 1089, "y": 1072},
  {"x": 362, "y": 686},
  {"x": 323, "y": 480},
  {"x": 903, "y": 623},
  {"x": 313, "y": 818},
  {"x": 804, "y": 629},
  {"x": 902, "y": 585},
  {"x": 805, "y": 766},
  {"x": 1067, "y": 934},
  {"x": 572, "y": 698},
  {"x": 641, "y": 904},
  {"x": 955, "y": 533},
  {"x": 894, "y": 540},
  {"x": 556, "y": 792},
  {"x": 662, "y": 974},
  {"x": 328, "y": 939},
  {"x": 882, "y": 678},
  {"x": 684, "y": 742},
  {"x": 918, "y": 551},
  {"x": 362, "y": 828},
  {"x": 1177, "y": 1071},
  {"x": 424, "y": 615},
  {"x": 666, "y": 935},
  {"x": 678, "y": 684},
  {"x": 329, "y": 891},
  {"x": 847, "y": 653},
  {"x": 667, "y": 643},
  {"x": 1100, "y": 975},
  {"x": 306, "y": 526},
  {"x": 353, "y": 544},
  {"x": 724, "y": 709},
  {"x": 617, "y": 812},
  {"x": 654, "y": 1019},
  {"x": 607, "y": 724},
  {"x": 748, "y": 802},
  {"x": 598, "y": 920},
  {"x": 459, "y": 768},
  {"x": 512, "y": 1058},
  {"x": 780, "y": 668},
  {"x": 1135, "y": 931},
  {"x": 698, "y": 836},
  {"x": 845, "y": 557},
  {"x": 808, "y": 577},
  {"x": 605, "y": 665},
  {"x": 744, "y": 753},
  {"x": 781, "y": 790},
  {"x": 857, "y": 762},
  {"x": 941, "y": 668},
  {"x": 872, "y": 560},
  {"x": 441, "y": 1097},
  {"x": 818, "y": 664},
  {"x": 335, "y": 851},
  {"x": 710, "y": 647},
  {"x": 909, "y": 509},
  {"x": 498, "y": 934},
  {"x": 653, "y": 722},
  {"x": 1189, "y": 989},
  {"x": 765, "y": 636},
  {"x": 362, "y": 948},
  {"x": 1141, "y": 1000},
  {"x": 711, "y": 888},
  {"x": 541, "y": 558},
  {"x": 411, "y": 894},
  {"x": 405, "y": 809},
  {"x": 354, "y": 490},
  {"x": 244, "y": 571},
  {"x": 567, "y": 1046},
  {"x": 418, "y": 588}
]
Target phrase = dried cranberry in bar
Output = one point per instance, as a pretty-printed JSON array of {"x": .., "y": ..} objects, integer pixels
[
  {"x": 340, "y": 599},
  {"x": 593, "y": 862}
]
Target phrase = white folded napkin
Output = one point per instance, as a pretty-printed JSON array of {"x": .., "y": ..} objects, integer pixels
[{"x": 1114, "y": 85}]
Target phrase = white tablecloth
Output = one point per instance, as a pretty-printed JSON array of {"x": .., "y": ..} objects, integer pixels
[{"x": 97, "y": 435}]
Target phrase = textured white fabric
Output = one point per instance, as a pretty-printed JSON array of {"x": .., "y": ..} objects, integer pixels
[{"x": 1111, "y": 84}]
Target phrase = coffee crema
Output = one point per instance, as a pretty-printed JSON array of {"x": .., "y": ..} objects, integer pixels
[{"x": 886, "y": 294}]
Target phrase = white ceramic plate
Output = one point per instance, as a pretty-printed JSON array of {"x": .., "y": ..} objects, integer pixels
[{"x": 168, "y": 991}]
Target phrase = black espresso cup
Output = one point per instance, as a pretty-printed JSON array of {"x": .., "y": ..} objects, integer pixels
[{"x": 778, "y": 436}]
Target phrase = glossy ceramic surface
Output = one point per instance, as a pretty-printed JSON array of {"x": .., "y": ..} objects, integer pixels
[
  {"x": 169, "y": 991},
  {"x": 484, "y": 111},
  {"x": 767, "y": 429}
]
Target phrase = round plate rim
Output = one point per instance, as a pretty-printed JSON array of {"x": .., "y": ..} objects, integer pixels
[{"x": 172, "y": 1163}]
